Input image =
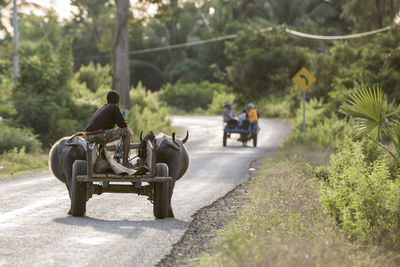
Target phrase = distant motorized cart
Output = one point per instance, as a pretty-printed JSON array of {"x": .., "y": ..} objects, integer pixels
[
  {"x": 248, "y": 131},
  {"x": 86, "y": 182}
]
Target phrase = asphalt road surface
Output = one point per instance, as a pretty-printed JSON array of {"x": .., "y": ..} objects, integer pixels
[{"x": 119, "y": 229}]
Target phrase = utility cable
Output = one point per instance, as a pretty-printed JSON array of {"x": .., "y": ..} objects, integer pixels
[
  {"x": 156, "y": 49},
  {"x": 337, "y": 37},
  {"x": 233, "y": 36}
]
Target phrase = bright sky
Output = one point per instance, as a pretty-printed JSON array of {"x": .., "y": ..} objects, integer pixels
[{"x": 64, "y": 8}]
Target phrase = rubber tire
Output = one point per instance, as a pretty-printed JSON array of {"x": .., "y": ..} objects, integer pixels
[
  {"x": 224, "y": 138},
  {"x": 78, "y": 194},
  {"x": 161, "y": 193},
  {"x": 254, "y": 139}
]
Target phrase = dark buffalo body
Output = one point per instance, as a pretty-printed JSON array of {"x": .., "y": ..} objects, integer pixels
[
  {"x": 172, "y": 151},
  {"x": 63, "y": 155}
]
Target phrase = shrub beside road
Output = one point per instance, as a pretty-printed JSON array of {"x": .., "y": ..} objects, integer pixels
[
  {"x": 17, "y": 161},
  {"x": 284, "y": 223}
]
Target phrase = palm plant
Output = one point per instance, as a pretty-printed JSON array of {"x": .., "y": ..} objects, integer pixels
[
  {"x": 372, "y": 118},
  {"x": 395, "y": 138}
]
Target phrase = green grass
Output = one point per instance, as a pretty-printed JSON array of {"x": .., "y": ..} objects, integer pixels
[
  {"x": 16, "y": 162},
  {"x": 284, "y": 223}
]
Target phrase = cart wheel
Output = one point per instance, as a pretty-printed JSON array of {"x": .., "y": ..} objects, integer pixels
[
  {"x": 224, "y": 138},
  {"x": 78, "y": 196},
  {"x": 161, "y": 193},
  {"x": 254, "y": 139}
]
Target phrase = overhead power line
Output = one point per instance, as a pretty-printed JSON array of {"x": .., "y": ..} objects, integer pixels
[
  {"x": 233, "y": 36},
  {"x": 337, "y": 37},
  {"x": 156, "y": 49}
]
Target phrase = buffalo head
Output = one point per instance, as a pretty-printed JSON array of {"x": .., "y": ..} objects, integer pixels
[{"x": 172, "y": 151}]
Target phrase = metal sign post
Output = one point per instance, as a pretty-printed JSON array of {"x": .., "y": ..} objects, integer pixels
[
  {"x": 304, "y": 79},
  {"x": 304, "y": 114}
]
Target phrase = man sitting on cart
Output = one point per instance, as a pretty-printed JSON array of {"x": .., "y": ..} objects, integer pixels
[
  {"x": 227, "y": 115},
  {"x": 242, "y": 119},
  {"x": 101, "y": 126},
  {"x": 252, "y": 113}
]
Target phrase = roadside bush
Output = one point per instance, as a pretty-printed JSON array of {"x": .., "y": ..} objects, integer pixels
[
  {"x": 17, "y": 138},
  {"x": 361, "y": 196},
  {"x": 190, "y": 96},
  {"x": 276, "y": 107},
  {"x": 18, "y": 161},
  {"x": 146, "y": 113},
  {"x": 218, "y": 100},
  {"x": 82, "y": 95},
  {"x": 323, "y": 127},
  {"x": 281, "y": 222},
  {"x": 94, "y": 76}
]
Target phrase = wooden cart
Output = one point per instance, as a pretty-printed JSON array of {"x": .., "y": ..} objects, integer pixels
[
  {"x": 86, "y": 183},
  {"x": 246, "y": 134}
]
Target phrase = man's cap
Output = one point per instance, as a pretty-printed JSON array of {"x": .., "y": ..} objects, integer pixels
[{"x": 251, "y": 105}]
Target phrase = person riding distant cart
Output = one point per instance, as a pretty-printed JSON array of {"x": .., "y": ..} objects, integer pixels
[
  {"x": 228, "y": 116},
  {"x": 247, "y": 126},
  {"x": 242, "y": 119},
  {"x": 252, "y": 113}
]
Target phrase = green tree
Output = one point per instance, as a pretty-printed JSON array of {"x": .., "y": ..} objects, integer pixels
[
  {"x": 262, "y": 63},
  {"x": 368, "y": 15},
  {"x": 33, "y": 29},
  {"x": 90, "y": 25},
  {"x": 94, "y": 76},
  {"x": 42, "y": 97},
  {"x": 191, "y": 96}
]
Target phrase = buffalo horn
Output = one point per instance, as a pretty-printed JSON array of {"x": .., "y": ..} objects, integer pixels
[
  {"x": 141, "y": 138},
  {"x": 173, "y": 137},
  {"x": 186, "y": 138}
]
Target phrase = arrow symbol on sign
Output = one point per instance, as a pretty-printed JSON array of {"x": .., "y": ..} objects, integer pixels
[{"x": 305, "y": 78}]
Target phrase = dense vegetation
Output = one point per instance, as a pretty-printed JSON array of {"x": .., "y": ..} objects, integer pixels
[
  {"x": 63, "y": 80},
  {"x": 282, "y": 222}
]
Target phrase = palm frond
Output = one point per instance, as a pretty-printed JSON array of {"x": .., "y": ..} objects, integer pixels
[
  {"x": 365, "y": 106},
  {"x": 395, "y": 137}
]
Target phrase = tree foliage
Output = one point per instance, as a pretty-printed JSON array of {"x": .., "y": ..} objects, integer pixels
[
  {"x": 62, "y": 79},
  {"x": 42, "y": 97},
  {"x": 262, "y": 63},
  {"x": 191, "y": 96}
]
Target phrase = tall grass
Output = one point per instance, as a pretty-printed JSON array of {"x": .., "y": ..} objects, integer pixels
[
  {"x": 323, "y": 127},
  {"x": 284, "y": 223},
  {"x": 146, "y": 113},
  {"x": 17, "y": 161}
]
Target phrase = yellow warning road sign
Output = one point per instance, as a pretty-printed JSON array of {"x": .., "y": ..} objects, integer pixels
[{"x": 304, "y": 79}]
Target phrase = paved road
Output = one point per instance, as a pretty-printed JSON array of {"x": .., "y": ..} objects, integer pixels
[{"x": 119, "y": 229}]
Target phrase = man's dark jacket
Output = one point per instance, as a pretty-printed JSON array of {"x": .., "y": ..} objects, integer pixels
[{"x": 105, "y": 118}]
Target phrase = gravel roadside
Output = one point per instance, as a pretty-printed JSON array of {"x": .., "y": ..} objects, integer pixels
[{"x": 202, "y": 232}]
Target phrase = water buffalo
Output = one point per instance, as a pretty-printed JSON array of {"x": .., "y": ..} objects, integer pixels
[
  {"x": 62, "y": 156},
  {"x": 172, "y": 151}
]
